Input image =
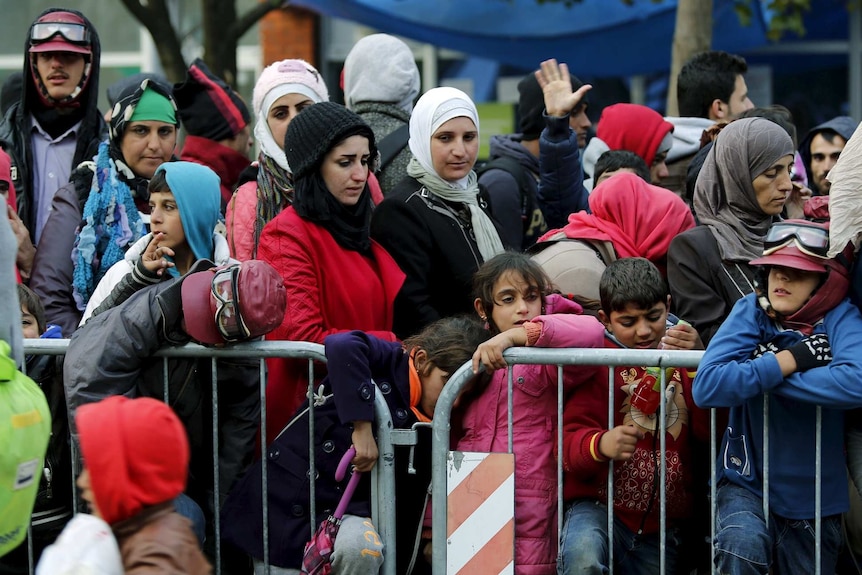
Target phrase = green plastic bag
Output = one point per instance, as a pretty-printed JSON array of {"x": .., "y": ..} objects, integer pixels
[{"x": 25, "y": 426}]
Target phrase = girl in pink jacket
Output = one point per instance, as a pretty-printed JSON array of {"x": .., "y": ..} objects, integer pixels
[{"x": 513, "y": 296}]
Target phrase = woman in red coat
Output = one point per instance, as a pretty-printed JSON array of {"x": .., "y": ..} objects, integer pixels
[{"x": 337, "y": 278}]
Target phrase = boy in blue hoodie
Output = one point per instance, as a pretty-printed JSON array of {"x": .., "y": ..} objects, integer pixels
[{"x": 792, "y": 345}]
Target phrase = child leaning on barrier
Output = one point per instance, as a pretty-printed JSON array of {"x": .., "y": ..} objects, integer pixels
[
  {"x": 635, "y": 301},
  {"x": 410, "y": 375},
  {"x": 797, "y": 340},
  {"x": 513, "y": 297}
]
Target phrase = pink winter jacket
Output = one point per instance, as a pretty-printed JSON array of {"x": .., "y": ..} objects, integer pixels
[{"x": 534, "y": 430}]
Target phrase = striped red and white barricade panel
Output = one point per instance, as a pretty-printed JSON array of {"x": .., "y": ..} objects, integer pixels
[{"x": 481, "y": 513}]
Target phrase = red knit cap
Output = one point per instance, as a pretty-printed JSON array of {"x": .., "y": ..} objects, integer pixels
[
  {"x": 136, "y": 451},
  {"x": 634, "y": 128}
]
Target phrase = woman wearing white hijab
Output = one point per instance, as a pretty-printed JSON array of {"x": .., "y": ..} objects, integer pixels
[
  {"x": 284, "y": 89},
  {"x": 435, "y": 222}
]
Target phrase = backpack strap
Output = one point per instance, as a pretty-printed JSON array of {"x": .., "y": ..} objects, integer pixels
[
  {"x": 525, "y": 181},
  {"x": 392, "y": 144}
]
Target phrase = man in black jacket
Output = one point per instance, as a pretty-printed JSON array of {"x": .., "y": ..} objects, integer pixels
[{"x": 56, "y": 124}]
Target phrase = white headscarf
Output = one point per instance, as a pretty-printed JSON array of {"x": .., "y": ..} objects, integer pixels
[
  {"x": 436, "y": 107},
  {"x": 262, "y": 133}
]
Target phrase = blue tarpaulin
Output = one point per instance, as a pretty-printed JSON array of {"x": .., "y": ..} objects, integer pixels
[{"x": 598, "y": 38}]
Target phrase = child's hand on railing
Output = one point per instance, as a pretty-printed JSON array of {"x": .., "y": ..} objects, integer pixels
[
  {"x": 490, "y": 353},
  {"x": 366, "y": 447},
  {"x": 681, "y": 336}
]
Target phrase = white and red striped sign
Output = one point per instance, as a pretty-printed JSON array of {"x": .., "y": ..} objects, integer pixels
[{"x": 480, "y": 529}]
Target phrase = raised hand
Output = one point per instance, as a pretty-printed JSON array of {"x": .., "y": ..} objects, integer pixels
[{"x": 556, "y": 83}]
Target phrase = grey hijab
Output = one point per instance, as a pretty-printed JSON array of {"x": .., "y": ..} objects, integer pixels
[{"x": 724, "y": 196}]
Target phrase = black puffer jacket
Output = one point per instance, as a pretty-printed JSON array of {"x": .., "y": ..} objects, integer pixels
[{"x": 15, "y": 129}]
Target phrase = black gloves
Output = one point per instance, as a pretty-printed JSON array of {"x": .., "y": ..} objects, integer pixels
[{"x": 813, "y": 351}]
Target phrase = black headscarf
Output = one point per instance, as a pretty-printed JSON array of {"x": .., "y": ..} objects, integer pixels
[{"x": 310, "y": 136}]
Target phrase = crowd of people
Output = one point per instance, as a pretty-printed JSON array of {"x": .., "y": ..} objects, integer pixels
[{"x": 373, "y": 228}]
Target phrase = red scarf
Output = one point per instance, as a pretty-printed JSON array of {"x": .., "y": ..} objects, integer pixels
[{"x": 639, "y": 219}]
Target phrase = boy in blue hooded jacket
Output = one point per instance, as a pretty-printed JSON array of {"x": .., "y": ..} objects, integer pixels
[{"x": 789, "y": 347}]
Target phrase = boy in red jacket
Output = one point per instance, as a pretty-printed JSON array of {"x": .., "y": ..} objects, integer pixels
[{"x": 635, "y": 301}]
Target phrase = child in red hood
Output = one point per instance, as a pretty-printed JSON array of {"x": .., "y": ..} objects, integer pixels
[{"x": 136, "y": 458}]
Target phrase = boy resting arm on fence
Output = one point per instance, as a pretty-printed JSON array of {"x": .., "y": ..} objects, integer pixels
[
  {"x": 797, "y": 340},
  {"x": 635, "y": 301}
]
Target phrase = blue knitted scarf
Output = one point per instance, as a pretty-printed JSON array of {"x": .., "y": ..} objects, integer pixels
[{"x": 111, "y": 223}]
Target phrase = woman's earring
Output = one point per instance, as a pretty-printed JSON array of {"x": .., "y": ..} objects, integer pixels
[{"x": 485, "y": 319}]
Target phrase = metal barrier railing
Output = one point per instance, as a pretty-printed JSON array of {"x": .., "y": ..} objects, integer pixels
[
  {"x": 544, "y": 356},
  {"x": 382, "y": 477}
]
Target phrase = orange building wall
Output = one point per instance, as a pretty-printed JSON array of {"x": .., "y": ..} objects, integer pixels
[{"x": 289, "y": 33}]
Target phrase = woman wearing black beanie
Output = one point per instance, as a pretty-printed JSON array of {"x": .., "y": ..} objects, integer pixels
[{"x": 337, "y": 278}]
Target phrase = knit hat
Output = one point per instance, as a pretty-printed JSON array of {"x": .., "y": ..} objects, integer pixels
[
  {"x": 318, "y": 129},
  {"x": 302, "y": 77},
  {"x": 250, "y": 303},
  {"x": 381, "y": 68},
  {"x": 277, "y": 80},
  {"x": 136, "y": 451},
  {"x": 531, "y": 105},
  {"x": 208, "y": 107},
  {"x": 634, "y": 128}
]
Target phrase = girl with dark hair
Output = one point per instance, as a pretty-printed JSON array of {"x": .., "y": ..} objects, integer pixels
[
  {"x": 513, "y": 296},
  {"x": 337, "y": 277}
]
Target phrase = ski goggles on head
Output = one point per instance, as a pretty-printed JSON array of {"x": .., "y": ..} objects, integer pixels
[
  {"x": 810, "y": 239},
  {"x": 72, "y": 32},
  {"x": 227, "y": 316}
]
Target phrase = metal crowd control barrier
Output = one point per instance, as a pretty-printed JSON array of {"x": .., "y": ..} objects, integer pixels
[
  {"x": 383, "y": 474},
  {"x": 560, "y": 357},
  {"x": 383, "y": 479}
]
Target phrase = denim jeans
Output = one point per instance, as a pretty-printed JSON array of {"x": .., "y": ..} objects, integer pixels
[
  {"x": 186, "y": 506},
  {"x": 584, "y": 544},
  {"x": 745, "y": 545}
]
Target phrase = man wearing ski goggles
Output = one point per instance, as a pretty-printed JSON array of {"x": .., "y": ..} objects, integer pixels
[{"x": 60, "y": 32}]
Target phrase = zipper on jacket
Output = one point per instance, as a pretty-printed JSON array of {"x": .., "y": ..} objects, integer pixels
[{"x": 447, "y": 211}]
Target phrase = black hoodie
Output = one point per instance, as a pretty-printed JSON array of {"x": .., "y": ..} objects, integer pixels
[
  {"x": 844, "y": 126},
  {"x": 15, "y": 129}
]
